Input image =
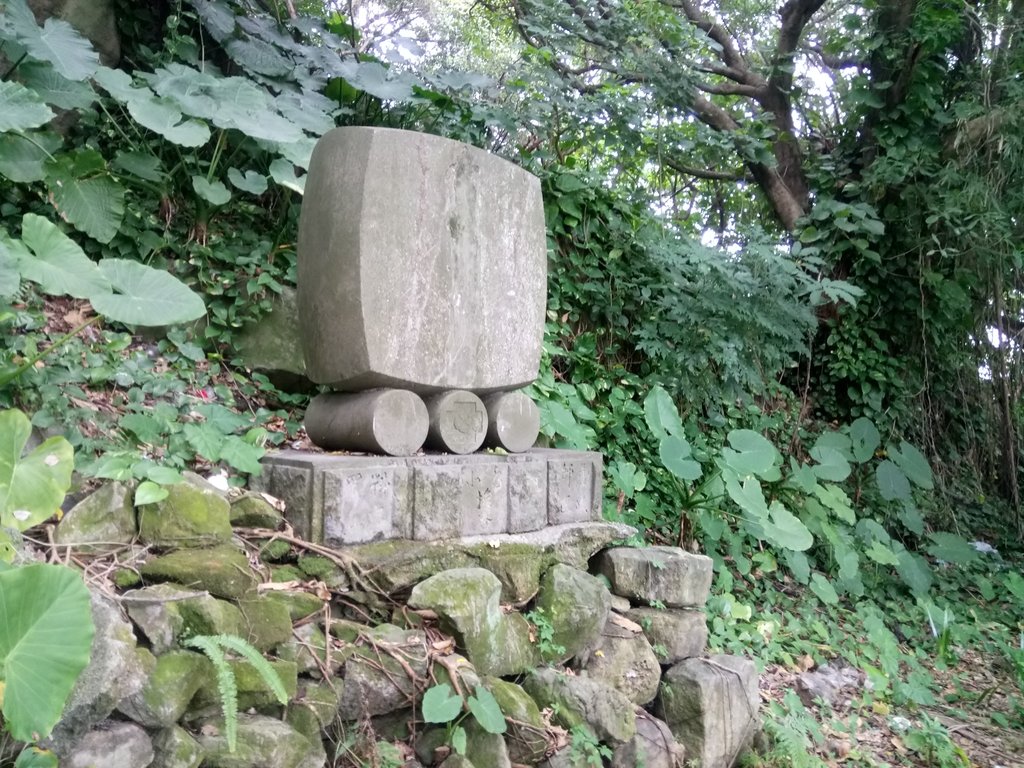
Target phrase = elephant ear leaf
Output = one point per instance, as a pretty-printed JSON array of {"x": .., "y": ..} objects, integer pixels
[
  {"x": 46, "y": 636},
  {"x": 32, "y": 487}
]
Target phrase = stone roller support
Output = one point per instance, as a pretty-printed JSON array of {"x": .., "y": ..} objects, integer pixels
[
  {"x": 391, "y": 421},
  {"x": 513, "y": 421},
  {"x": 458, "y": 421}
]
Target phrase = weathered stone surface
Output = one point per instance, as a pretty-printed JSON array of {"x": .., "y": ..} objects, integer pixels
[
  {"x": 166, "y": 612},
  {"x": 826, "y": 683},
  {"x": 422, "y": 264},
  {"x": 455, "y": 760},
  {"x": 251, "y": 510},
  {"x": 95, "y": 19},
  {"x": 222, "y": 571},
  {"x": 653, "y": 746},
  {"x": 669, "y": 575},
  {"x": 609, "y": 715},
  {"x": 576, "y": 605},
  {"x": 399, "y": 565},
  {"x": 314, "y": 708},
  {"x": 375, "y": 682},
  {"x": 527, "y": 492},
  {"x": 526, "y": 734},
  {"x": 308, "y": 649},
  {"x": 347, "y": 500},
  {"x": 679, "y": 634},
  {"x": 711, "y": 707},
  {"x": 513, "y": 421},
  {"x": 168, "y": 689},
  {"x": 458, "y": 421},
  {"x": 192, "y": 515},
  {"x": 466, "y": 599},
  {"x": 625, "y": 661},
  {"x": 175, "y": 748},
  {"x": 391, "y": 421},
  {"x": 362, "y": 484},
  {"x": 272, "y": 344},
  {"x": 263, "y": 742},
  {"x": 566, "y": 758},
  {"x": 104, "y": 519},
  {"x": 115, "y": 745},
  {"x": 267, "y": 622},
  {"x": 115, "y": 670},
  {"x": 574, "y": 488},
  {"x": 483, "y": 748}
]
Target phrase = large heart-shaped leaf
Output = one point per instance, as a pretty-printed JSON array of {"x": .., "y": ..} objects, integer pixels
[
  {"x": 93, "y": 204},
  {"x": 440, "y": 704},
  {"x": 58, "y": 265},
  {"x": 54, "y": 88},
  {"x": 211, "y": 191},
  {"x": 61, "y": 44},
  {"x": 914, "y": 465},
  {"x": 865, "y": 438},
  {"x": 22, "y": 157},
  {"x": 485, "y": 709},
  {"x": 892, "y": 483},
  {"x": 46, "y": 633},
  {"x": 661, "y": 414},
  {"x": 32, "y": 487},
  {"x": 20, "y": 108},
  {"x": 164, "y": 118},
  {"x": 754, "y": 454},
  {"x": 675, "y": 455},
  {"x": 10, "y": 277},
  {"x": 146, "y": 296}
]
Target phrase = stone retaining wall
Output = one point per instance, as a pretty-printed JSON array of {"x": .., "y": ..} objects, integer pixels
[{"x": 585, "y": 645}]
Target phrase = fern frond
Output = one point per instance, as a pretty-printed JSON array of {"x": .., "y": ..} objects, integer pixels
[
  {"x": 225, "y": 684},
  {"x": 260, "y": 664}
]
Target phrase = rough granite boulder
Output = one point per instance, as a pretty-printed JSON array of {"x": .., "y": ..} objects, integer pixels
[
  {"x": 112, "y": 745},
  {"x": 165, "y": 613},
  {"x": 711, "y": 706},
  {"x": 115, "y": 670},
  {"x": 625, "y": 660},
  {"x": 263, "y": 742},
  {"x": 668, "y": 575},
  {"x": 676, "y": 634},
  {"x": 176, "y": 678},
  {"x": 273, "y": 344},
  {"x": 466, "y": 599},
  {"x": 605, "y": 712},
  {"x": 175, "y": 748},
  {"x": 253, "y": 690},
  {"x": 376, "y": 682},
  {"x": 526, "y": 736},
  {"x": 654, "y": 746},
  {"x": 102, "y": 520},
  {"x": 393, "y": 220},
  {"x": 576, "y": 605}
]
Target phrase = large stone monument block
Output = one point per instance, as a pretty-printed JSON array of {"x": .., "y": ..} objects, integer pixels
[{"x": 423, "y": 265}]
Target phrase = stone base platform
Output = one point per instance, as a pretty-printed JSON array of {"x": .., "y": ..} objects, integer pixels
[{"x": 342, "y": 500}]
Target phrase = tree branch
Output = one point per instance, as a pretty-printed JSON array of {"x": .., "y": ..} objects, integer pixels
[
  {"x": 702, "y": 173},
  {"x": 731, "y": 89}
]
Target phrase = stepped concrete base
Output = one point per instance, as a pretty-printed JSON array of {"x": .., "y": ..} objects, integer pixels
[{"x": 340, "y": 500}]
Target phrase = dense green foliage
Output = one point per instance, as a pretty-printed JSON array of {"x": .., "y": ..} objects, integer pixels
[{"x": 784, "y": 295}]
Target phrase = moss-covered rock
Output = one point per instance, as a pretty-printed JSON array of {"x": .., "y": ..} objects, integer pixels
[
  {"x": 526, "y": 735},
  {"x": 314, "y": 708},
  {"x": 222, "y": 571},
  {"x": 299, "y": 604},
  {"x": 266, "y": 621},
  {"x": 251, "y": 510},
  {"x": 576, "y": 605},
  {"x": 466, "y": 599},
  {"x": 308, "y": 649},
  {"x": 579, "y": 701},
  {"x": 253, "y": 690},
  {"x": 273, "y": 550},
  {"x": 102, "y": 520},
  {"x": 483, "y": 748},
  {"x": 175, "y": 748},
  {"x": 194, "y": 514},
  {"x": 168, "y": 690},
  {"x": 263, "y": 742},
  {"x": 166, "y": 613},
  {"x": 668, "y": 575}
]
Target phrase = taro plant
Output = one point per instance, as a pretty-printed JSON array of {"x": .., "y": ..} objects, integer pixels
[
  {"x": 46, "y": 626},
  {"x": 801, "y": 509},
  {"x": 441, "y": 705}
]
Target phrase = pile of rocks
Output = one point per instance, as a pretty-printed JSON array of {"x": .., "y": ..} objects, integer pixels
[{"x": 583, "y": 646}]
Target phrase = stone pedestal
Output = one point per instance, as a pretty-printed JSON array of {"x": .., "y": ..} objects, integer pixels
[{"x": 342, "y": 500}]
